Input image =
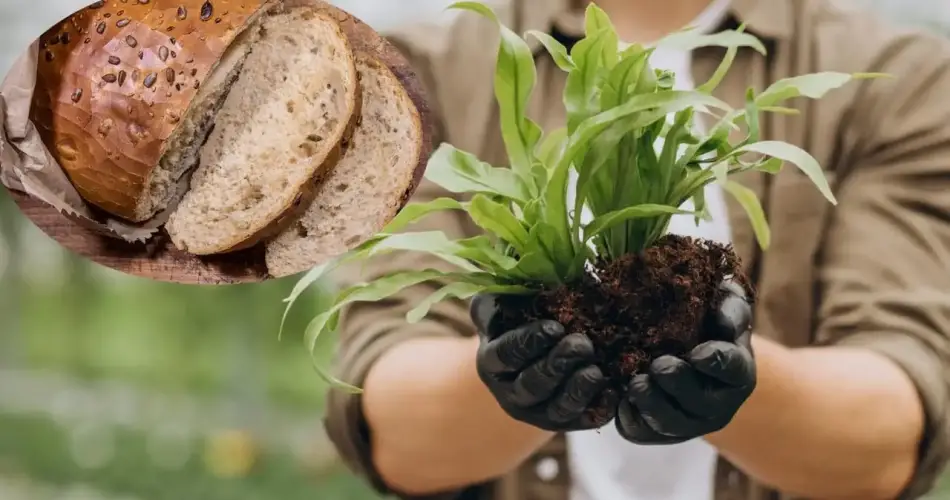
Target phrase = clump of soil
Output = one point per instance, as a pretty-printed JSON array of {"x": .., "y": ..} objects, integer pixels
[{"x": 639, "y": 307}]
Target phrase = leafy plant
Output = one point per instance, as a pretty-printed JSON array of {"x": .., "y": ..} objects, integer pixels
[{"x": 618, "y": 108}]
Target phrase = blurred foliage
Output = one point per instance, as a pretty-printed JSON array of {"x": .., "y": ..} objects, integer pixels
[
  {"x": 165, "y": 336},
  {"x": 177, "y": 348},
  {"x": 37, "y": 447}
]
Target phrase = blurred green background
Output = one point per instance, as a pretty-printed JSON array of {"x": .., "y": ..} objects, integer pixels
[{"x": 118, "y": 388}]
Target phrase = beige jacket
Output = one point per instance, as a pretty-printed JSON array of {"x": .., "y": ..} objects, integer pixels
[{"x": 873, "y": 271}]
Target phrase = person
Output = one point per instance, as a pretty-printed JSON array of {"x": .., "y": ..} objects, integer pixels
[{"x": 838, "y": 390}]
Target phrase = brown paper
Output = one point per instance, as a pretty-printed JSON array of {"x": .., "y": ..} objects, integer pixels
[{"x": 27, "y": 166}]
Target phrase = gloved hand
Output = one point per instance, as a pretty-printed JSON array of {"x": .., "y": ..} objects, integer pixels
[
  {"x": 681, "y": 399},
  {"x": 539, "y": 374}
]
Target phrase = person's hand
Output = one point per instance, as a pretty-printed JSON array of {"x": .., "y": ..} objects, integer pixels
[
  {"x": 682, "y": 399},
  {"x": 540, "y": 374}
]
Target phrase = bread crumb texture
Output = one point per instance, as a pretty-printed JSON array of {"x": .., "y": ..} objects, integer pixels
[
  {"x": 367, "y": 187},
  {"x": 271, "y": 140}
]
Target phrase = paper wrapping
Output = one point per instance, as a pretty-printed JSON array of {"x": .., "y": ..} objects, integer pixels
[{"x": 27, "y": 166}]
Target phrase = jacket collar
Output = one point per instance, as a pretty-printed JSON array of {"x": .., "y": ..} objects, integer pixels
[{"x": 771, "y": 19}]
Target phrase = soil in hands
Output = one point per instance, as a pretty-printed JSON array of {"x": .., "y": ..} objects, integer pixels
[{"x": 639, "y": 307}]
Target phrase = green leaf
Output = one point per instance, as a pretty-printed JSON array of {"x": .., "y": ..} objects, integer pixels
[
  {"x": 699, "y": 205},
  {"x": 596, "y": 20},
  {"x": 814, "y": 86},
  {"x": 432, "y": 242},
  {"x": 605, "y": 222},
  {"x": 515, "y": 76},
  {"x": 582, "y": 88},
  {"x": 724, "y": 66},
  {"x": 780, "y": 110},
  {"x": 533, "y": 212},
  {"x": 461, "y": 172},
  {"x": 718, "y": 135},
  {"x": 300, "y": 287},
  {"x": 651, "y": 111},
  {"x": 325, "y": 375},
  {"x": 435, "y": 243},
  {"x": 770, "y": 166},
  {"x": 750, "y": 203},
  {"x": 597, "y": 23},
  {"x": 680, "y": 127},
  {"x": 539, "y": 174},
  {"x": 660, "y": 104},
  {"x": 665, "y": 80},
  {"x": 647, "y": 83},
  {"x": 322, "y": 271},
  {"x": 459, "y": 290},
  {"x": 477, "y": 7},
  {"x": 798, "y": 157},
  {"x": 536, "y": 266},
  {"x": 481, "y": 250},
  {"x": 603, "y": 148},
  {"x": 415, "y": 211},
  {"x": 554, "y": 211},
  {"x": 552, "y": 146},
  {"x": 498, "y": 220},
  {"x": 752, "y": 116},
  {"x": 557, "y": 50},
  {"x": 624, "y": 77},
  {"x": 691, "y": 40},
  {"x": 367, "y": 292},
  {"x": 547, "y": 255}
]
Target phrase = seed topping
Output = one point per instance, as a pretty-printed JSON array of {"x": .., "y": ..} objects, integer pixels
[{"x": 207, "y": 10}]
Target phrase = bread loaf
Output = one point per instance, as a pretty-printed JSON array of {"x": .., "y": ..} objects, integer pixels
[
  {"x": 369, "y": 184},
  {"x": 281, "y": 127},
  {"x": 289, "y": 122},
  {"x": 125, "y": 94}
]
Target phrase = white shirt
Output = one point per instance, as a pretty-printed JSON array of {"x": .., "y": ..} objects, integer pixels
[{"x": 604, "y": 466}]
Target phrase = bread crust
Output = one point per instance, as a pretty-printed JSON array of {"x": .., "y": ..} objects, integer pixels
[{"x": 114, "y": 81}]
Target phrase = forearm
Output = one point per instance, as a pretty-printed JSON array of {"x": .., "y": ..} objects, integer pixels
[
  {"x": 434, "y": 425},
  {"x": 831, "y": 423}
]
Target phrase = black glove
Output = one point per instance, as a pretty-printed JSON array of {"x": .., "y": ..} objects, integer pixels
[
  {"x": 681, "y": 399},
  {"x": 539, "y": 374}
]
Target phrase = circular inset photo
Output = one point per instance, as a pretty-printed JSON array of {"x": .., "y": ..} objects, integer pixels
[{"x": 212, "y": 141}]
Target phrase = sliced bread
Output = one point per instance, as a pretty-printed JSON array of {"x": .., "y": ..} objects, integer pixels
[
  {"x": 282, "y": 126},
  {"x": 367, "y": 187}
]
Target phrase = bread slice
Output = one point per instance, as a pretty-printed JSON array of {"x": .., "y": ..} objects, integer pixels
[
  {"x": 283, "y": 125},
  {"x": 367, "y": 187}
]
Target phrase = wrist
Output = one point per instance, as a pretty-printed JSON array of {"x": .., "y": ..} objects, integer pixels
[{"x": 435, "y": 425}]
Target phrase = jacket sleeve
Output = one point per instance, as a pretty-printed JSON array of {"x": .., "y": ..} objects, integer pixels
[
  {"x": 368, "y": 330},
  {"x": 885, "y": 274}
]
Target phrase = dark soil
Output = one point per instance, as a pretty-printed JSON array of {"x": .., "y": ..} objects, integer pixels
[{"x": 640, "y": 306}]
